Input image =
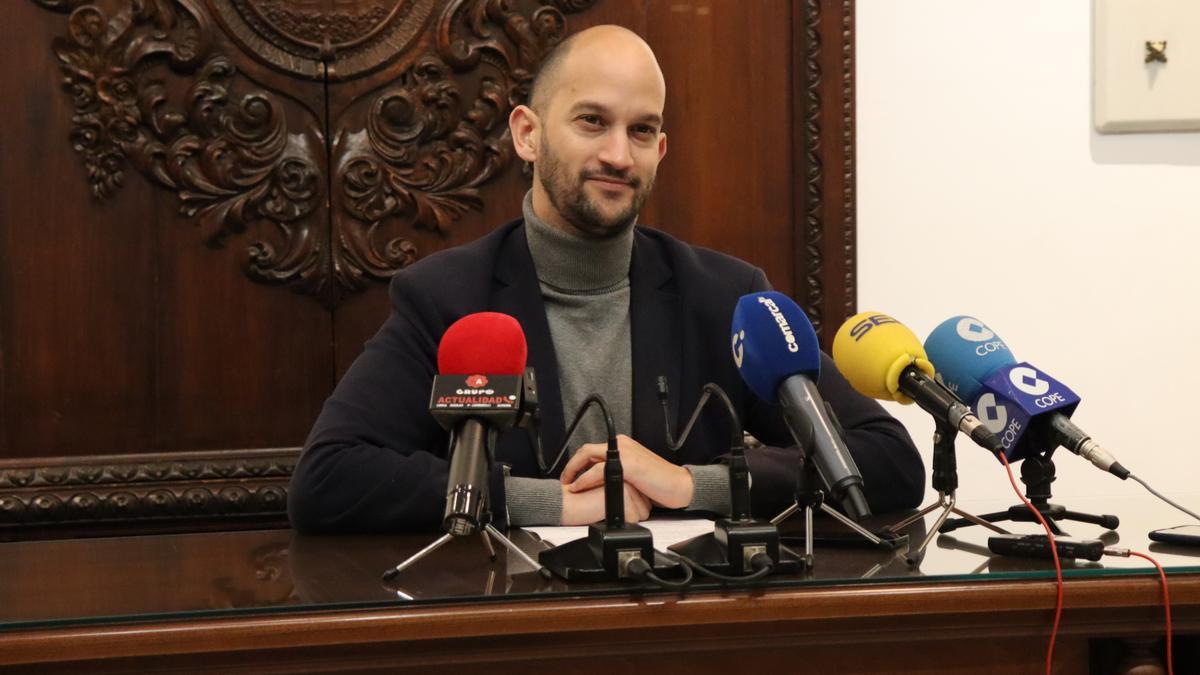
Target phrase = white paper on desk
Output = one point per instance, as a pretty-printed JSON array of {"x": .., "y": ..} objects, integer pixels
[{"x": 666, "y": 531}]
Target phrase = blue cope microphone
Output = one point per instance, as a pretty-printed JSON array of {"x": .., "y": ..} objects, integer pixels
[
  {"x": 1028, "y": 409},
  {"x": 778, "y": 356}
]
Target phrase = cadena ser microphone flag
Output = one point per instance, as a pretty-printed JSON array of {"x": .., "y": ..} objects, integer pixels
[
  {"x": 778, "y": 356},
  {"x": 883, "y": 359},
  {"x": 1026, "y": 407}
]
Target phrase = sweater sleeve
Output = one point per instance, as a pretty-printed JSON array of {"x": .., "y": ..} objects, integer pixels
[{"x": 533, "y": 501}]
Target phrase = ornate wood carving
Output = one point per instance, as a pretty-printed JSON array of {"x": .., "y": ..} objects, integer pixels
[
  {"x": 144, "y": 490},
  {"x": 826, "y": 281},
  {"x": 99, "y": 59},
  {"x": 426, "y": 147},
  {"x": 237, "y": 161},
  {"x": 232, "y": 160},
  {"x": 849, "y": 212},
  {"x": 813, "y": 170},
  {"x": 297, "y": 36}
]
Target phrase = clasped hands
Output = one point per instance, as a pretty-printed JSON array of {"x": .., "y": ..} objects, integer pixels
[{"x": 650, "y": 481}]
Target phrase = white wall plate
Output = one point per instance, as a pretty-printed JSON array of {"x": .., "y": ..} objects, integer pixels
[{"x": 1131, "y": 94}]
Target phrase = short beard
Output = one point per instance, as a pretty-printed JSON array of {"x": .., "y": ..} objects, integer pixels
[{"x": 570, "y": 200}]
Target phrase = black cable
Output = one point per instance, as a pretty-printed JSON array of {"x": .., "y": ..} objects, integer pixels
[
  {"x": 762, "y": 561},
  {"x": 709, "y": 389},
  {"x": 739, "y": 470},
  {"x": 642, "y": 571},
  {"x": 595, "y": 399}
]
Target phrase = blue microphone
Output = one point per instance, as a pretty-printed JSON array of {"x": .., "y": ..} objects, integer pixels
[
  {"x": 1027, "y": 408},
  {"x": 778, "y": 356},
  {"x": 965, "y": 352}
]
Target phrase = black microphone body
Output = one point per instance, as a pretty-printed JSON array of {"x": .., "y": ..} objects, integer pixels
[
  {"x": 475, "y": 414},
  {"x": 934, "y": 398},
  {"x": 467, "y": 482},
  {"x": 811, "y": 425}
]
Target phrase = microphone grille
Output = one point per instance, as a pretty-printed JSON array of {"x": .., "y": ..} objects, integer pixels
[
  {"x": 483, "y": 342},
  {"x": 871, "y": 349},
  {"x": 772, "y": 340}
]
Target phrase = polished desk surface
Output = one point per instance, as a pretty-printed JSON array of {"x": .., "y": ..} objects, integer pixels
[{"x": 72, "y": 588}]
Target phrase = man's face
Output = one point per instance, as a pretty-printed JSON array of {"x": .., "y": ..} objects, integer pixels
[{"x": 599, "y": 146}]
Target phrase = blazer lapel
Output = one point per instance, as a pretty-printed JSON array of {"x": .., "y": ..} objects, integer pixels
[
  {"x": 657, "y": 342},
  {"x": 518, "y": 294}
]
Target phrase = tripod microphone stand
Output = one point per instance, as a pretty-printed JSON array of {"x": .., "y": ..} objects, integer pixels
[
  {"x": 1037, "y": 473},
  {"x": 945, "y": 481},
  {"x": 810, "y": 496},
  {"x": 473, "y": 429},
  {"x": 488, "y": 533}
]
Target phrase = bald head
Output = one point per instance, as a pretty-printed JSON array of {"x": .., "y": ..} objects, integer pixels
[
  {"x": 593, "y": 131},
  {"x": 609, "y": 47}
]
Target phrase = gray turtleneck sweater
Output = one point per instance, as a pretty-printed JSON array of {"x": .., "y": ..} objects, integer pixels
[{"x": 585, "y": 290}]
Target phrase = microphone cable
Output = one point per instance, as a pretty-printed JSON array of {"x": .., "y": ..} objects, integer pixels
[
  {"x": 1162, "y": 576},
  {"x": 711, "y": 389},
  {"x": 1156, "y": 493},
  {"x": 760, "y": 561},
  {"x": 739, "y": 469},
  {"x": 1058, "y": 578},
  {"x": 740, "y": 503},
  {"x": 642, "y": 571},
  {"x": 611, "y": 429},
  {"x": 1112, "y": 551}
]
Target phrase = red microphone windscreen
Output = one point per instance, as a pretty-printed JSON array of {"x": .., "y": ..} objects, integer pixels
[{"x": 483, "y": 343}]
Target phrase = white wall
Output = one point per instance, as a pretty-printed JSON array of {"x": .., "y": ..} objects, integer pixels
[{"x": 983, "y": 189}]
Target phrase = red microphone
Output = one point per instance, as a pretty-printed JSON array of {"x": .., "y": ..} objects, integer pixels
[
  {"x": 483, "y": 342},
  {"x": 481, "y": 388}
]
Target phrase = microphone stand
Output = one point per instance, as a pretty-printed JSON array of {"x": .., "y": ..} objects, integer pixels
[
  {"x": 1037, "y": 473},
  {"x": 810, "y": 496},
  {"x": 613, "y": 549},
  {"x": 738, "y": 545},
  {"x": 488, "y": 533},
  {"x": 945, "y": 481},
  {"x": 463, "y": 526}
]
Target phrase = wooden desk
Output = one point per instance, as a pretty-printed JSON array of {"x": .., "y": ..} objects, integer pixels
[{"x": 276, "y": 601}]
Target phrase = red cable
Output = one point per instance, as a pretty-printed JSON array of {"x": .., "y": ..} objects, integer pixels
[
  {"x": 1058, "y": 603},
  {"x": 1166, "y": 603}
]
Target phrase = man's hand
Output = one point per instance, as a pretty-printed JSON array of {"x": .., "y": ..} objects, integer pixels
[
  {"x": 665, "y": 484},
  {"x": 587, "y": 506}
]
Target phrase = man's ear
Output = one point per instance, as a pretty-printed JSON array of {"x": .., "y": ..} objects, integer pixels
[
  {"x": 524, "y": 125},
  {"x": 662, "y": 146}
]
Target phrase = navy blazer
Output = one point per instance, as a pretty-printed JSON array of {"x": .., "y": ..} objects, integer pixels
[{"x": 376, "y": 461}]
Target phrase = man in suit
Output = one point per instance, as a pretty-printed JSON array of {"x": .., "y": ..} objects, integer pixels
[{"x": 606, "y": 307}]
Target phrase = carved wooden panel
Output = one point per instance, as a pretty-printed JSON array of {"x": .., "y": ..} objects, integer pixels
[
  {"x": 122, "y": 493},
  {"x": 349, "y": 37},
  {"x": 417, "y": 160},
  {"x": 824, "y": 178},
  {"x": 412, "y": 147},
  {"x": 318, "y": 146}
]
